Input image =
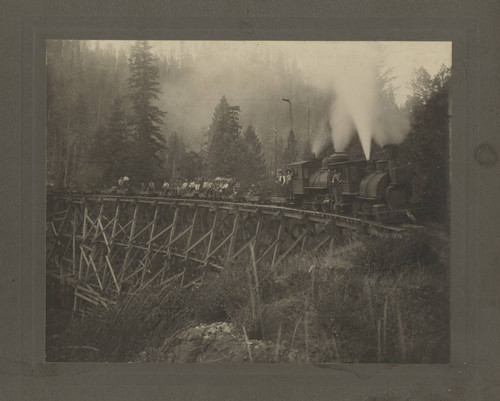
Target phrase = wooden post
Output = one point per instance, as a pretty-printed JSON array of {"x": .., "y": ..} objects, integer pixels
[
  {"x": 73, "y": 240},
  {"x": 258, "y": 230},
  {"x": 257, "y": 287},
  {"x": 210, "y": 241},
  {"x": 129, "y": 244},
  {"x": 193, "y": 225},
  {"x": 84, "y": 234},
  {"x": 146, "y": 259},
  {"x": 115, "y": 222},
  {"x": 233, "y": 235},
  {"x": 94, "y": 250},
  {"x": 172, "y": 231},
  {"x": 277, "y": 246}
]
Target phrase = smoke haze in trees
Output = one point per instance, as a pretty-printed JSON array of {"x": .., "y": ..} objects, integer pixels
[
  {"x": 254, "y": 78},
  {"x": 340, "y": 82},
  {"x": 336, "y": 81}
]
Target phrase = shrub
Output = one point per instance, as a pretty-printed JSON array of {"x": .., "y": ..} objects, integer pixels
[
  {"x": 221, "y": 296},
  {"x": 376, "y": 300},
  {"x": 391, "y": 305}
]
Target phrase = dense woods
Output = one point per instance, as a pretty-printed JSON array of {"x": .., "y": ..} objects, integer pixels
[{"x": 114, "y": 111}]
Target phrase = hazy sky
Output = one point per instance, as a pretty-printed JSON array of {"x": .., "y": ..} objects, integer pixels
[{"x": 316, "y": 57}]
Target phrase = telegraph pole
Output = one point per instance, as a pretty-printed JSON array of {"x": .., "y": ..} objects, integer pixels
[
  {"x": 275, "y": 147},
  {"x": 308, "y": 137},
  {"x": 289, "y": 104}
]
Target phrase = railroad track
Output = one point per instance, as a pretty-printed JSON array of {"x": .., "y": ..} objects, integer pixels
[{"x": 342, "y": 220}]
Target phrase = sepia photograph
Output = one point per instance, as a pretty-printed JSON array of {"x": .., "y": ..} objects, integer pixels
[{"x": 238, "y": 202}]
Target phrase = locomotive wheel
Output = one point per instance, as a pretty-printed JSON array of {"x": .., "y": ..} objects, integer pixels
[{"x": 397, "y": 198}]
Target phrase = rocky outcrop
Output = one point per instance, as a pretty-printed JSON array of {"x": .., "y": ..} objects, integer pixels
[{"x": 212, "y": 343}]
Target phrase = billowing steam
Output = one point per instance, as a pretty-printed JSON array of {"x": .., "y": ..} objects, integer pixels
[
  {"x": 362, "y": 104},
  {"x": 349, "y": 96},
  {"x": 319, "y": 143}
]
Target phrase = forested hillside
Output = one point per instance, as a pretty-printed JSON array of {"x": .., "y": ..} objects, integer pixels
[
  {"x": 133, "y": 110},
  {"x": 92, "y": 109}
]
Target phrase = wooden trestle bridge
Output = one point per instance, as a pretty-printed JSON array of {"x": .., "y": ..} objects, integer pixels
[{"x": 107, "y": 246}]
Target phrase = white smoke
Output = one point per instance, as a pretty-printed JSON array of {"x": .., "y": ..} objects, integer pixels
[
  {"x": 360, "y": 105},
  {"x": 321, "y": 140}
]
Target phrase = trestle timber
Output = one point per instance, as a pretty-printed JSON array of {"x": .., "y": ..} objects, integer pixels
[{"x": 107, "y": 246}]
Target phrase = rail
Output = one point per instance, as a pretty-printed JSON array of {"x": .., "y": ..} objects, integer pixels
[{"x": 342, "y": 220}]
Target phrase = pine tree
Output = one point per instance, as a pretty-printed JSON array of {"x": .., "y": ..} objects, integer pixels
[
  {"x": 111, "y": 147},
  {"x": 81, "y": 139},
  {"x": 144, "y": 89},
  {"x": 307, "y": 153},
  {"x": 427, "y": 146},
  {"x": 253, "y": 168},
  {"x": 290, "y": 154},
  {"x": 224, "y": 140},
  {"x": 176, "y": 151}
]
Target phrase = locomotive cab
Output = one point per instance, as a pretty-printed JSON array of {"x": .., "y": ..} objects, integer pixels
[
  {"x": 301, "y": 174},
  {"x": 384, "y": 193}
]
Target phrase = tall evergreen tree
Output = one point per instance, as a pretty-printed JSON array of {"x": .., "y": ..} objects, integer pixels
[
  {"x": 253, "y": 168},
  {"x": 427, "y": 146},
  {"x": 290, "y": 154},
  {"x": 81, "y": 138},
  {"x": 224, "y": 140},
  {"x": 175, "y": 156},
  {"x": 307, "y": 153},
  {"x": 111, "y": 146},
  {"x": 144, "y": 88}
]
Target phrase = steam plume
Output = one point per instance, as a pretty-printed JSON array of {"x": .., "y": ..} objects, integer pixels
[{"x": 362, "y": 104}]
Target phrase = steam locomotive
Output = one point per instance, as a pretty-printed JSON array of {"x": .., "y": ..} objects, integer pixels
[
  {"x": 371, "y": 189},
  {"x": 377, "y": 190}
]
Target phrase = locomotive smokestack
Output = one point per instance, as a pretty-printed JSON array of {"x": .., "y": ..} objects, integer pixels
[{"x": 390, "y": 153}]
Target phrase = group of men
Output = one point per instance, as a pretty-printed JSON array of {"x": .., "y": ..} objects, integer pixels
[
  {"x": 228, "y": 188},
  {"x": 284, "y": 178},
  {"x": 150, "y": 187},
  {"x": 217, "y": 188},
  {"x": 123, "y": 182}
]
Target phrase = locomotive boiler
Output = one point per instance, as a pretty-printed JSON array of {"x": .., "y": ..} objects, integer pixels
[{"x": 371, "y": 189}]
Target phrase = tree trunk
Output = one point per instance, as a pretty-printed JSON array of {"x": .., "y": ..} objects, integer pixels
[
  {"x": 53, "y": 154},
  {"x": 66, "y": 164},
  {"x": 99, "y": 107},
  {"x": 75, "y": 151},
  {"x": 66, "y": 159}
]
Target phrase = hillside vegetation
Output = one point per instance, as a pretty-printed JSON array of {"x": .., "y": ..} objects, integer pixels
[{"x": 376, "y": 300}]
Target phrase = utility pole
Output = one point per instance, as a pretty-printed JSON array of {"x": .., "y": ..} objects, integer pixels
[
  {"x": 289, "y": 104},
  {"x": 308, "y": 138},
  {"x": 275, "y": 147}
]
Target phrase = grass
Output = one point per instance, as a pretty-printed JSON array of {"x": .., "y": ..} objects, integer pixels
[{"x": 379, "y": 300}]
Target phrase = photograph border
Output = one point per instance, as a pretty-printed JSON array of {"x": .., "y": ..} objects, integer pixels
[{"x": 293, "y": 381}]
